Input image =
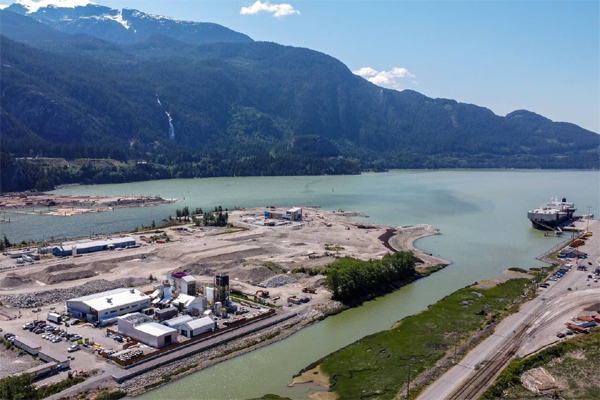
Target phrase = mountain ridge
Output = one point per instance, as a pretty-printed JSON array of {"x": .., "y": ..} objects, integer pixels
[
  {"x": 125, "y": 25},
  {"x": 246, "y": 107}
]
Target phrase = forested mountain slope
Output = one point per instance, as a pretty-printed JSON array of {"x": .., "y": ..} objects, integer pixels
[{"x": 247, "y": 108}]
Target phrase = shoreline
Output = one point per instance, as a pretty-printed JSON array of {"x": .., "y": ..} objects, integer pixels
[
  {"x": 359, "y": 240},
  {"x": 69, "y": 205},
  {"x": 226, "y": 351},
  {"x": 405, "y": 238},
  {"x": 288, "y": 329}
]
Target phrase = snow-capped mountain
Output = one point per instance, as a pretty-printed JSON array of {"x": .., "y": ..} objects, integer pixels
[{"x": 125, "y": 25}]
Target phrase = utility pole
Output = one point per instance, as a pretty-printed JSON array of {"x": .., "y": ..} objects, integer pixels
[
  {"x": 588, "y": 218},
  {"x": 408, "y": 384}
]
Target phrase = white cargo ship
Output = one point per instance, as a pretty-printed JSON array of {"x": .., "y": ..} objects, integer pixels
[{"x": 551, "y": 214}]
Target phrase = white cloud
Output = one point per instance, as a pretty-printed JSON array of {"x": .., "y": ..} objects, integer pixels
[
  {"x": 33, "y": 6},
  {"x": 278, "y": 10},
  {"x": 389, "y": 79},
  {"x": 3, "y": 6},
  {"x": 366, "y": 72}
]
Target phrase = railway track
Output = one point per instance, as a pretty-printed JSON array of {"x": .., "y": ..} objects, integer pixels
[{"x": 483, "y": 377}]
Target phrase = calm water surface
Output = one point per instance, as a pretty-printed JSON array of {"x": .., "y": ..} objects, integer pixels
[{"x": 481, "y": 214}]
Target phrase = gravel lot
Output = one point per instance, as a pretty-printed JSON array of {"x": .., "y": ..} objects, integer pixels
[
  {"x": 39, "y": 299},
  {"x": 278, "y": 280}
]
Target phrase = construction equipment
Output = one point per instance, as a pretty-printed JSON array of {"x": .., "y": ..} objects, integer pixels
[
  {"x": 261, "y": 294},
  {"x": 309, "y": 290}
]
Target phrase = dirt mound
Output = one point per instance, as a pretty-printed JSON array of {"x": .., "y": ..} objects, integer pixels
[
  {"x": 540, "y": 381},
  {"x": 130, "y": 282},
  {"x": 316, "y": 281},
  {"x": 67, "y": 276},
  {"x": 14, "y": 281},
  {"x": 253, "y": 273},
  {"x": 60, "y": 267},
  {"x": 201, "y": 269}
]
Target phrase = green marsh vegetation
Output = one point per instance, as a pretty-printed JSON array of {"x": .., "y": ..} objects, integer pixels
[{"x": 377, "y": 365}]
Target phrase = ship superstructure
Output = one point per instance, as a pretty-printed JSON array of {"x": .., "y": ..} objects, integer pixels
[{"x": 551, "y": 214}]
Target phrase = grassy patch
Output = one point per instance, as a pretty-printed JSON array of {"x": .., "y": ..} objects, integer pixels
[
  {"x": 376, "y": 366},
  {"x": 517, "y": 269},
  {"x": 228, "y": 231},
  {"x": 574, "y": 361},
  {"x": 114, "y": 395}
]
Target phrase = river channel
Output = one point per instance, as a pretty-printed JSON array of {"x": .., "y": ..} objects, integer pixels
[{"x": 481, "y": 215}]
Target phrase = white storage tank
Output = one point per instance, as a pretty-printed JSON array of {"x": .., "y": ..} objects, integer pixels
[
  {"x": 210, "y": 295},
  {"x": 218, "y": 307}
]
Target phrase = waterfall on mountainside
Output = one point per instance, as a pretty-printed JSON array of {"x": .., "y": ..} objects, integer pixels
[{"x": 171, "y": 127}]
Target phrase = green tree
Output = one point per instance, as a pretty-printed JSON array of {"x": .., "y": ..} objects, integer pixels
[{"x": 19, "y": 387}]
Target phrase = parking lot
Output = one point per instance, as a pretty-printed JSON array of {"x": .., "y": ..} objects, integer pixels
[{"x": 60, "y": 338}]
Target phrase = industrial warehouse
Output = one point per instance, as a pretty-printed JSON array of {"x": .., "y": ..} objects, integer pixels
[
  {"x": 72, "y": 249},
  {"x": 107, "y": 305},
  {"x": 143, "y": 329}
]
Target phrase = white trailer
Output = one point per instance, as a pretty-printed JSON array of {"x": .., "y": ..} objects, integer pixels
[{"x": 54, "y": 317}]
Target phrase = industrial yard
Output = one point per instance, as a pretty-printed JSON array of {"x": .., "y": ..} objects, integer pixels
[
  {"x": 567, "y": 304},
  {"x": 129, "y": 301}
]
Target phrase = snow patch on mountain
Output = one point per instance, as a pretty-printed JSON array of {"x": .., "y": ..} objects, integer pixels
[
  {"x": 32, "y": 6},
  {"x": 119, "y": 18}
]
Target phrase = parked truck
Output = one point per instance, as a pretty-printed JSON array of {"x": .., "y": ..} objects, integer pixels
[{"x": 54, "y": 317}]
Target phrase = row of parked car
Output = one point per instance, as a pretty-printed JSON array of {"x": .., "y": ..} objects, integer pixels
[
  {"x": 37, "y": 327},
  {"x": 10, "y": 337}
]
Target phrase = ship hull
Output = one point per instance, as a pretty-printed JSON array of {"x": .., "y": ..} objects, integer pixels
[
  {"x": 546, "y": 224},
  {"x": 545, "y": 227}
]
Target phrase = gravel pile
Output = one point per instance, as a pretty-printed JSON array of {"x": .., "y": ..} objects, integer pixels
[
  {"x": 32, "y": 300},
  {"x": 278, "y": 280}
]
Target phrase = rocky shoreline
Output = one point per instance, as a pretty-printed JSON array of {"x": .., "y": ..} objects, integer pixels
[{"x": 179, "y": 369}]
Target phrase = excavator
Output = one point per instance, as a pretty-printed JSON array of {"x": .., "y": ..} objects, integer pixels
[{"x": 261, "y": 294}]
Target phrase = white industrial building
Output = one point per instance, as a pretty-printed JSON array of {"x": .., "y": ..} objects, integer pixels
[
  {"x": 176, "y": 322},
  {"x": 197, "y": 327},
  {"x": 106, "y": 305},
  {"x": 74, "y": 248},
  {"x": 188, "y": 285},
  {"x": 142, "y": 328},
  {"x": 189, "y": 302}
]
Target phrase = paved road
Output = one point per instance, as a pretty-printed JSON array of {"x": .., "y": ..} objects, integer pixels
[
  {"x": 91, "y": 383},
  {"x": 556, "y": 296}
]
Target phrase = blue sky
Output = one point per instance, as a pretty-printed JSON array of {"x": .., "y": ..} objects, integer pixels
[{"x": 543, "y": 56}]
